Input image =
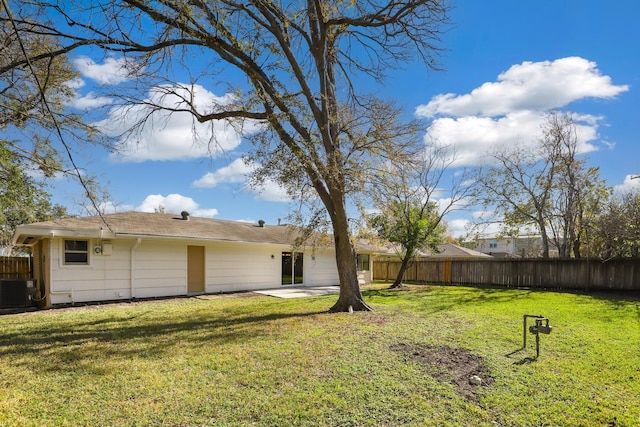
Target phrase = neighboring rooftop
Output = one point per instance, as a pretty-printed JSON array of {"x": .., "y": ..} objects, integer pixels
[
  {"x": 446, "y": 250},
  {"x": 454, "y": 251}
]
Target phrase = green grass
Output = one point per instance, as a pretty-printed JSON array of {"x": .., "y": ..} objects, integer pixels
[{"x": 260, "y": 361}]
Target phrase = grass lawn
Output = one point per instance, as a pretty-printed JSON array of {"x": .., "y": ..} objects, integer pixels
[{"x": 241, "y": 360}]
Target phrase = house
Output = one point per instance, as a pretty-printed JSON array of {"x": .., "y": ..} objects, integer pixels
[
  {"x": 513, "y": 247},
  {"x": 449, "y": 250},
  {"x": 445, "y": 250},
  {"x": 129, "y": 255}
]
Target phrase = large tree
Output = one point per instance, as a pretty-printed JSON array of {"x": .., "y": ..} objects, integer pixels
[
  {"x": 303, "y": 64},
  {"x": 577, "y": 193},
  {"x": 549, "y": 187}
]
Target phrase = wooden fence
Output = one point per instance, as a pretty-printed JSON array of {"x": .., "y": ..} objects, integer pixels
[
  {"x": 16, "y": 267},
  {"x": 574, "y": 274}
]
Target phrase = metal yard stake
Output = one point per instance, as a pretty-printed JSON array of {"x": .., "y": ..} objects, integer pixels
[{"x": 541, "y": 327}]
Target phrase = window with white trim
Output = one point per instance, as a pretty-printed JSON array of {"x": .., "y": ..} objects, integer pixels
[{"x": 76, "y": 252}]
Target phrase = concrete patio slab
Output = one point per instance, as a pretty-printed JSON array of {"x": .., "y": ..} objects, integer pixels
[{"x": 300, "y": 291}]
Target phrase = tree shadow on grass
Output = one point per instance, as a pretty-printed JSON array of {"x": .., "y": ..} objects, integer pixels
[
  {"x": 64, "y": 347},
  {"x": 420, "y": 294},
  {"x": 618, "y": 300}
]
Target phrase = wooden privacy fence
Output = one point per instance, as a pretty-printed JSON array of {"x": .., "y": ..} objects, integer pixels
[
  {"x": 15, "y": 267},
  {"x": 576, "y": 274}
]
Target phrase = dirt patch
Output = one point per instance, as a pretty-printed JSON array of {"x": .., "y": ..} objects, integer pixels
[{"x": 458, "y": 366}]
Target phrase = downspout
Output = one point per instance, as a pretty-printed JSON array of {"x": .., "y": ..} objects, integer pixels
[
  {"x": 69, "y": 293},
  {"x": 133, "y": 268}
]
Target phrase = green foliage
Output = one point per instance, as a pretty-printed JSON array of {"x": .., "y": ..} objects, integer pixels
[
  {"x": 411, "y": 225},
  {"x": 246, "y": 360},
  {"x": 616, "y": 231},
  {"x": 23, "y": 199},
  {"x": 27, "y": 154}
]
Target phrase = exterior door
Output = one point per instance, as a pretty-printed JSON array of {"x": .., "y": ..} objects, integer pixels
[
  {"x": 292, "y": 268},
  {"x": 195, "y": 269}
]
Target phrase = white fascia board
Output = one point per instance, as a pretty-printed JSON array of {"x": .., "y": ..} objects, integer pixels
[{"x": 25, "y": 231}]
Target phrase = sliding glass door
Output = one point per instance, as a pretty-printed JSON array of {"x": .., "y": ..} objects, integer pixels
[{"x": 292, "y": 268}]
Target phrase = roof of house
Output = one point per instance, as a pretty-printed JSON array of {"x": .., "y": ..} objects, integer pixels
[
  {"x": 142, "y": 224},
  {"x": 451, "y": 250},
  {"x": 446, "y": 250}
]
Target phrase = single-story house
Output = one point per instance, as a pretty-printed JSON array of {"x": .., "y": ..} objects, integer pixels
[
  {"x": 445, "y": 250},
  {"x": 129, "y": 255}
]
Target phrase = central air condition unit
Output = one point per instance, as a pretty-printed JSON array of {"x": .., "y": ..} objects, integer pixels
[{"x": 16, "y": 292}]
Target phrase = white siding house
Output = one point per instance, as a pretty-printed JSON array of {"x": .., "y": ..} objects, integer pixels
[{"x": 143, "y": 255}]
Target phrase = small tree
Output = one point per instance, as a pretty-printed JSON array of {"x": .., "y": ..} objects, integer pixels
[
  {"x": 412, "y": 226},
  {"x": 412, "y": 203}
]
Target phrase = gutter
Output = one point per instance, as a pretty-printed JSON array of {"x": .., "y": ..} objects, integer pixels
[{"x": 132, "y": 271}]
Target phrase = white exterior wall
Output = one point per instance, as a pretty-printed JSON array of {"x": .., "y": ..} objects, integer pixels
[
  {"x": 320, "y": 268},
  {"x": 365, "y": 276},
  {"x": 231, "y": 267},
  {"x": 158, "y": 268},
  {"x": 107, "y": 277},
  {"x": 489, "y": 245}
]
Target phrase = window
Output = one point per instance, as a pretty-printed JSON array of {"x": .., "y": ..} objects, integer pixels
[
  {"x": 363, "y": 262},
  {"x": 493, "y": 245},
  {"x": 76, "y": 252}
]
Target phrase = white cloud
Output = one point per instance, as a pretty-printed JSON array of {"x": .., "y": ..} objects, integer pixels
[
  {"x": 631, "y": 184},
  {"x": 472, "y": 137},
  {"x": 174, "y": 203},
  {"x": 90, "y": 101},
  {"x": 239, "y": 172},
  {"x": 171, "y": 203},
  {"x": 111, "y": 72},
  {"x": 110, "y": 207},
  {"x": 235, "y": 172},
  {"x": 512, "y": 109},
  {"x": 458, "y": 227},
  {"x": 172, "y": 135},
  {"x": 536, "y": 86},
  {"x": 75, "y": 83},
  {"x": 271, "y": 191}
]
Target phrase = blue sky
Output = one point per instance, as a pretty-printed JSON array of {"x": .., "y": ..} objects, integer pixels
[{"x": 506, "y": 64}]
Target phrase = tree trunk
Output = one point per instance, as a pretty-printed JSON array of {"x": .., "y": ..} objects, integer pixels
[
  {"x": 544, "y": 237},
  {"x": 403, "y": 268},
  {"x": 350, "y": 298}
]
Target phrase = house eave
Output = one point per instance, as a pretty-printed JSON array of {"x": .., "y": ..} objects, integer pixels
[{"x": 28, "y": 235}]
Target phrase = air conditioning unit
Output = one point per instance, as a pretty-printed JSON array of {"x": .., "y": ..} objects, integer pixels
[{"x": 16, "y": 292}]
